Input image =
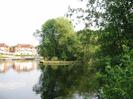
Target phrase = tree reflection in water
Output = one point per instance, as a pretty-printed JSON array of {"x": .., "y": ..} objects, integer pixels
[{"x": 65, "y": 81}]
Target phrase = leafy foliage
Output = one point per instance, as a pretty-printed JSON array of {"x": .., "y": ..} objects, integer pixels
[
  {"x": 89, "y": 45},
  {"x": 117, "y": 83},
  {"x": 115, "y": 17},
  {"x": 58, "y": 39},
  {"x": 110, "y": 48}
]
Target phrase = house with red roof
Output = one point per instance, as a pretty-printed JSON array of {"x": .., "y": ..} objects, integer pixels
[
  {"x": 25, "y": 49},
  {"x": 4, "y": 49}
]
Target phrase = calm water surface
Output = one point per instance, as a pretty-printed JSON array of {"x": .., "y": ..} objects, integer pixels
[
  {"x": 75, "y": 81},
  {"x": 30, "y": 80},
  {"x": 17, "y": 79}
]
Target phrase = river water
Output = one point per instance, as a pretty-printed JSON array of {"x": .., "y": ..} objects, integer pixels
[
  {"x": 30, "y": 80},
  {"x": 17, "y": 79}
]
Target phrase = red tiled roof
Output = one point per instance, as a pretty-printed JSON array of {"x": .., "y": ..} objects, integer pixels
[
  {"x": 24, "y": 46},
  {"x": 3, "y": 45}
]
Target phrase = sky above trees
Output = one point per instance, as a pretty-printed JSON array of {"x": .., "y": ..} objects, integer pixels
[{"x": 19, "y": 19}]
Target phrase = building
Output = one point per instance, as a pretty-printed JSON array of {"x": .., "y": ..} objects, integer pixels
[
  {"x": 24, "y": 49},
  {"x": 12, "y": 49},
  {"x": 19, "y": 49},
  {"x": 4, "y": 49}
]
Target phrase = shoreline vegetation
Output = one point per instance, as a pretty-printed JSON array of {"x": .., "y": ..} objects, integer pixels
[
  {"x": 56, "y": 62},
  {"x": 30, "y": 57},
  {"x": 18, "y": 57},
  {"x": 108, "y": 48}
]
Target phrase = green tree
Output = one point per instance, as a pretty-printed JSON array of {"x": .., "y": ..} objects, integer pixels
[
  {"x": 58, "y": 39},
  {"x": 115, "y": 17},
  {"x": 89, "y": 45},
  {"x": 116, "y": 20},
  {"x": 117, "y": 82},
  {"x": 116, "y": 48}
]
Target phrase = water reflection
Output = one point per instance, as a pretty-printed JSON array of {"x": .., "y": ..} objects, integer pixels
[
  {"x": 17, "y": 79},
  {"x": 18, "y": 66},
  {"x": 66, "y": 82}
]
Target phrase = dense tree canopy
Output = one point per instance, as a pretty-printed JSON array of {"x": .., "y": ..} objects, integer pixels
[
  {"x": 89, "y": 45},
  {"x": 115, "y": 17},
  {"x": 110, "y": 48},
  {"x": 57, "y": 39}
]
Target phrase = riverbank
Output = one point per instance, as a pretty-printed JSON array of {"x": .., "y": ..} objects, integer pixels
[
  {"x": 12, "y": 57},
  {"x": 57, "y": 62},
  {"x": 18, "y": 58}
]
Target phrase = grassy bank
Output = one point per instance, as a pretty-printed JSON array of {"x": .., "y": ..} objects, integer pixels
[{"x": 57, "y": 62}]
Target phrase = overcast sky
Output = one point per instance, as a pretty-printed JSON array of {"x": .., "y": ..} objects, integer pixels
[{"x": 20, "y": 18}]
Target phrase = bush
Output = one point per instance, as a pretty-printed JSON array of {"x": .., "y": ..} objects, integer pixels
[
  {"x": 118, "y": 83},
  {"x": 54, "y": 58},
  {"x": 46, "y": 59}
]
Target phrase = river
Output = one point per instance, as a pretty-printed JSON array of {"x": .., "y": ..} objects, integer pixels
[
  {"x": 30, "y": 80},
  {"x": 17, "y": 79}
]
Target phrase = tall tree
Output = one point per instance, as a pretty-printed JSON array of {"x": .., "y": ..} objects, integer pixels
[
  {"x": 57, "y": 39},
  {"x": 115, "y": 17},
  {"x": 89, "y": 45}
]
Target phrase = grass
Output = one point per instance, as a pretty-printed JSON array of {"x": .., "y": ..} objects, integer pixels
[
  {"x": 2, "y": 56},
  {"x": 57, "y": 62}
]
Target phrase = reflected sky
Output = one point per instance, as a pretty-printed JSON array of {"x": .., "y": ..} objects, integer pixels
[
  {"x": 18, "y": 83},
  {"x": 28, "y": 80}
]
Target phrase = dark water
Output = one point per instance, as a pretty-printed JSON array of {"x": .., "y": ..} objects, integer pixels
[
  {"x": 30, "y": 80},
  {"x": 66, "y": 82}
]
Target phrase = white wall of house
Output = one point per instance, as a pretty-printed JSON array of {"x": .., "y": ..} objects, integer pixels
[
  {"x": 19, "y": 51},
  {"x": 25, "y": 51},
  {"x": 3, "y": 50}
]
